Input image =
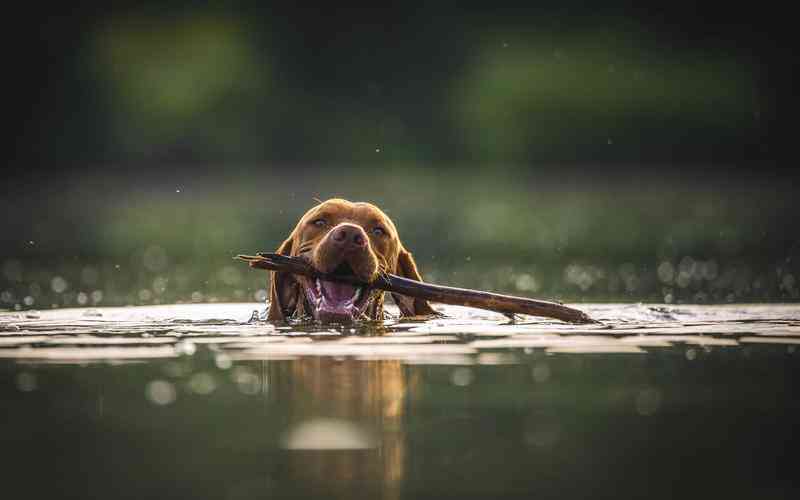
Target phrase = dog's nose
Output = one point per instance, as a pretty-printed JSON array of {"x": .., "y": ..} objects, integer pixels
[{"x": 349, "y": 236}]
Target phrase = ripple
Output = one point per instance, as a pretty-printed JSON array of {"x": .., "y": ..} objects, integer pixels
[{"x": 463, "y": 337}]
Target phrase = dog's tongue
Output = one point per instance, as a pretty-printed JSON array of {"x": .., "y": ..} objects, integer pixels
[
  {"x": 336, "y": 303},
  {"x": 337, "y": 294}
]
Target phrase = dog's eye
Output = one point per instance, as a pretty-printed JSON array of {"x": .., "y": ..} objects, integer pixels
[
  {"x": 378, "y": 231},
  {"x": 319, "y": 222}
]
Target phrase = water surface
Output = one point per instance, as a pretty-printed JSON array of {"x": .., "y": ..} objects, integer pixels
[{"x": 202, "y": 401}]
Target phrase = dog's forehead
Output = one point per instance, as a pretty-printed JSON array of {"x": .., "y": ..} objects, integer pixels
[
  {"x": 362, "y": 211},
  {"x": 369, "y": 211}
]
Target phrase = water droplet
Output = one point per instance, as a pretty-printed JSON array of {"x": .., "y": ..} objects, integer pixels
[
  {"x": 223, "y": 361},
  {"x": 666, "y": 272},
  {"x": 185, "y": 348},
  {"x": 59, "y": 284},
  {"x": 328, "y": 434},
  {"x": 462, "y": 376},
  {"x": 247, "y": 381},
  {"x": 160, "y": 392},
  {"x": 202, "y": 383},
  {"x": 526, "y": 283}
]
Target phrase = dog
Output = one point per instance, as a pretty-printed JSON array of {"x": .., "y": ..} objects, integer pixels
[{"x": 341, "y": 237}]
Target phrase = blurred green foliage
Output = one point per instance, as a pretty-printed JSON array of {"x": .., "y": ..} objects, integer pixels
[
  {"x": 559, "y": 93},
  {"x": 171, "y": 78},
  {"x": 213, "y": 83}
]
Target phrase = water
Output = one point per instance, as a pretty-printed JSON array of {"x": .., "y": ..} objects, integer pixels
[{"x": 198, "y": 401}]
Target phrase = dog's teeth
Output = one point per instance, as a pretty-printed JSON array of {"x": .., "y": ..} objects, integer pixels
[{"x": 357, "y": 294}]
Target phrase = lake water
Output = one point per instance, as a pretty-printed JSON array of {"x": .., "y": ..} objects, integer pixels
[{"x": 203, "y": 401}]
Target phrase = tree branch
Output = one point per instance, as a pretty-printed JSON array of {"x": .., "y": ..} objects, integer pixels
[{"x": 506, "y": 304}]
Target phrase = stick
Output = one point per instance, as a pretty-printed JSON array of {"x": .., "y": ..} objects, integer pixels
[{"x": 506, "y": 304}]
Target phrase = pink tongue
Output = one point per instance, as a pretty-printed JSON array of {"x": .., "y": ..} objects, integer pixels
[{"x": 337, "y": 292}]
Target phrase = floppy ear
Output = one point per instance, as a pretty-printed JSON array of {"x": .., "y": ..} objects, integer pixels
[
  {"x": 283, "y": 288},
  {"x": 409, "y": 306}
]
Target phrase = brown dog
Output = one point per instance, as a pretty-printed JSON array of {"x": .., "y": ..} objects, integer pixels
[{"x": 338, "y": 236}]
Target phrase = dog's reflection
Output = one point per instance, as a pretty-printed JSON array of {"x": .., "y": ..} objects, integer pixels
[{"x": 346, "y": 437}]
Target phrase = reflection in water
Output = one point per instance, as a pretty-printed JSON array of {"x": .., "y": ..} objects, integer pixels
[
  {"x": 346, "y": 438},
  {"x": 175, "y": 402}
]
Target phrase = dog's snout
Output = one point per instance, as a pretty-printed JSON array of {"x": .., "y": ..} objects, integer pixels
[{"x": 349, "y": 236}]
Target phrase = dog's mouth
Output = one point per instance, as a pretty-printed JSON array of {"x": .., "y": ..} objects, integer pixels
[{"x": 337, "y": 302}]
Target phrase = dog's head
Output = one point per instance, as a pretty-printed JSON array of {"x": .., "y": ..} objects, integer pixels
[{"x": 341, "y": 237}]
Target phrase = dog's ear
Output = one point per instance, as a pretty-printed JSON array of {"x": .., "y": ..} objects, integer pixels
[
  {"x": 409, "y": 306},
  {"x": 284, "y": 290}
]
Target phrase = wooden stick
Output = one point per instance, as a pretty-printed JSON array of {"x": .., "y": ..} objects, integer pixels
[{"x": 506, "y": 304}]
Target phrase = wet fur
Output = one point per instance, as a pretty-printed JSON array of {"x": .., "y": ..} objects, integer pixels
[{"x": 382, "y": 254}]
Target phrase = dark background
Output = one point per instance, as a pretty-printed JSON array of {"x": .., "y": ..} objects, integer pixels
[
  {"x": 505, "y": 141},
  {"x": 314, "y": 69}
]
